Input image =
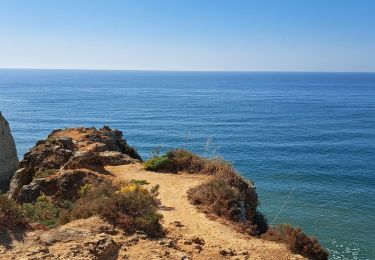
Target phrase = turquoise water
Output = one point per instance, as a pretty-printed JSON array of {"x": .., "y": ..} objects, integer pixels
[{"x": 312, "y": 134}]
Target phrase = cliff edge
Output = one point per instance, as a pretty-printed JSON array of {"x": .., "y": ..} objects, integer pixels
[{"x": 84, "y": 193}]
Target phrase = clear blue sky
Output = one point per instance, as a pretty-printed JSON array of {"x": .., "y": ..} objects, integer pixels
[{"x": 281, "y": 35}]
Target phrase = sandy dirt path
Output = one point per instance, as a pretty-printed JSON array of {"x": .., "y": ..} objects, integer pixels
[{"x": 177, "y": 209}]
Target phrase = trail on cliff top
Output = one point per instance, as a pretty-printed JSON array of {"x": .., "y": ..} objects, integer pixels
[{"x": 191, "y": 223}]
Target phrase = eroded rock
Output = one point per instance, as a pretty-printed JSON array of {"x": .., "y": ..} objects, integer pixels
[
  {"x": 67, "y": 159},
  {"x": 80, "y": 239},
  {"x": 8, "y": 154}
]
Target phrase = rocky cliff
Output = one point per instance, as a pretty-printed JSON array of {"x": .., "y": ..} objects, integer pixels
[
  {"x": 59, "y": 179},
  {"x": 60, "y": 164},
  {"x": 8, "y": 154}
]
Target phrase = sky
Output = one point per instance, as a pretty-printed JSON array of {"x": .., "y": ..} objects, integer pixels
[{"x": 194, "y": 35}]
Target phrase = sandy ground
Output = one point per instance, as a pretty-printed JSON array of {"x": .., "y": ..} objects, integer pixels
[
  {"x": 190, "y": 234},
  {"x": 191, "y": 223}
]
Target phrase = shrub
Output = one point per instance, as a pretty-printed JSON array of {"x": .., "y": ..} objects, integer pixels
[
  {"x": 260, "y": 223},
  {"x": 162, "y": 163},
  {"x": 216, "y": 196},
  {"x": 11, "y": 214},
  {"x": 219, "y": 198},
  {"x": 43, "y": 212},
  {"x": 84, "y": 189},
  {"x": 127, "y": 205},
  {"x": 297, "y": 241},
  {"x": 140, "y": 182},
  {"x": 173, "y": 161}
]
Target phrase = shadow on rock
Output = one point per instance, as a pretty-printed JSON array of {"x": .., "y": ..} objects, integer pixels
[{"x": 8, "y": 236}]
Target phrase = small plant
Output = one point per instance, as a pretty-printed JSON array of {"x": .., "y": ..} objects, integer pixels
[
  {"x": 11, "y": 214},
  {"x": 131, "y": 187},
  {"x": 297, "y": 241},
  {"x": 44, "y": 173},
  {"x": 43, "y": 212},
  {"x": 140, "y": 182},
  {"x": 84, "y": 189},
  {"x": 155, "y": 191}
]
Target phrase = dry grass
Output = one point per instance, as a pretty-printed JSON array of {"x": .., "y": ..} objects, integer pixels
[
  {"x": 217, "y": 197},
  {"x": 297, "y": 241},
  {"x": 127, "y": 205}
]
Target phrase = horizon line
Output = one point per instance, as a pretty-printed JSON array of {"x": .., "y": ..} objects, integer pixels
[{"x": 167, "y": 70}]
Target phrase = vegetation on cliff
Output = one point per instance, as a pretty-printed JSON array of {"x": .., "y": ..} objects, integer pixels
[
  {"x": 127, "y": 205},
  {"x": 229, "y": 196},
  {"x": 228, "y": 188},
  {"x": 11, "y": 213},
  {"x": 42, "y": 212},
  {"x": 63, "y": 178},
  {"x": 226, "y": 195},
  {"x": 297, "y": 241}
]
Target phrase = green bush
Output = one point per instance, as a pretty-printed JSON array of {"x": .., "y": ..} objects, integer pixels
[
  {"x": 127, "y": 205},
  {"x": 175, "y": 161},
  {"x": 43, "y": 212},
  {"x": 11, "y": 214},
  {"x": 162, "y": 163},
  {"x": 297, "y": 241}
]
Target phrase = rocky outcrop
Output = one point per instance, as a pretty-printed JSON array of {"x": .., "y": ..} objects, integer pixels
[
  {"x": 67, "y": 159},
  {"x": 60, "y": 165},
  {"x": 82, "y": 239},
  {"x": 8, "y": 154}
]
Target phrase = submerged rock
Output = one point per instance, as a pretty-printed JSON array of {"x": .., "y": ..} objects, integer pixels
[
  {"x": 67, "y": 159},
  {"x": 8, "y": 154}
]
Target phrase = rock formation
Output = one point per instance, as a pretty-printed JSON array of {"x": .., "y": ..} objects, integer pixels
[
  {"x": 8, "y": 154},
  {"x": 83, "y": 239},
  {"x": 66, "y": 160}
]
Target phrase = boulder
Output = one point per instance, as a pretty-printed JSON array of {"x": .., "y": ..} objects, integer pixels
[{"x": 8, "y": 154}]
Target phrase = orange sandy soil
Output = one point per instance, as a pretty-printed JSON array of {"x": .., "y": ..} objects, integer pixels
[
  {"x": 191, "y": 223},
  {"x": 190, "y": 234}
]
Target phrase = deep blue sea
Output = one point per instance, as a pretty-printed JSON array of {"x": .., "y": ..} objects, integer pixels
[{"x": 307, "y": 135}]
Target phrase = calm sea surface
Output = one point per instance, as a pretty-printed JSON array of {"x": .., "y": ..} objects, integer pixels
[{"x": 307, "y": 135}]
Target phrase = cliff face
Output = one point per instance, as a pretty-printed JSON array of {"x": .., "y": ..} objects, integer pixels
[{"x": 8, "y": 154}]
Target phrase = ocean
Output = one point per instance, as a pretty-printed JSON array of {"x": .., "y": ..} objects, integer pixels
[{"x": 306, "y": 136}]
